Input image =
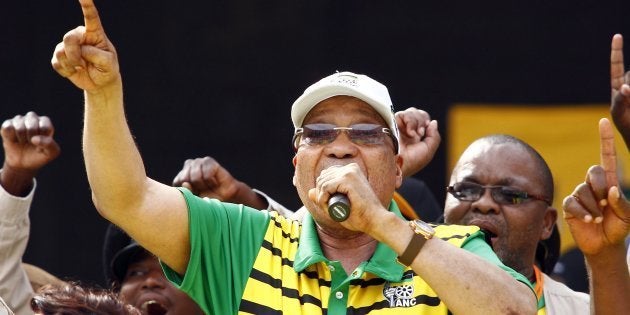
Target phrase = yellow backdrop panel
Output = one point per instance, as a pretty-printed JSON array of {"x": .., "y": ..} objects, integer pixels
[{"x": 566, "y": 136}]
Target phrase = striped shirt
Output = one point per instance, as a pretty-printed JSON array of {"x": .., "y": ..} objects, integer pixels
[{"x": 257, "y": 262}]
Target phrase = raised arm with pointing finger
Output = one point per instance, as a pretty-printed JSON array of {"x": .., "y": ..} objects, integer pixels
[
  {"x": 231, "y": 258},
  {"x": 152, "y": 213},
  {"x": 598, "y": 216}
]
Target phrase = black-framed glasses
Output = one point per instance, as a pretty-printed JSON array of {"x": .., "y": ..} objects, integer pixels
[
  {"x": 505, "y": 195},
  {"x": 361, "y": 134}
]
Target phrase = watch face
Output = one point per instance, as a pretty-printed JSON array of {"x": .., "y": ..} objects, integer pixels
[{"x": 423, "y": 228}]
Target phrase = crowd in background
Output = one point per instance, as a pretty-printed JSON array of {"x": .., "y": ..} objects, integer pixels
[{"x": 500, "y": 184}]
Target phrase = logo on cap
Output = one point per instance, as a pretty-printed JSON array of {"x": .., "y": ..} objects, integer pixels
[{"x": 347, "y": 79}]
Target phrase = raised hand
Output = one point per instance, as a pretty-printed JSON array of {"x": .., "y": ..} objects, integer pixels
[
  {"x": 205, "y": 177},
  {"x": 85, "y": 56},
  {"x": 620, "y": 89},
  {"x": 419, "y": 139},
  {"x": 28, "y": 146},
  {"x": 597, "y": 213}
]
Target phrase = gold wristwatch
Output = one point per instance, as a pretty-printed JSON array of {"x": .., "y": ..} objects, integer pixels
[{"x": 422, "y": 232}]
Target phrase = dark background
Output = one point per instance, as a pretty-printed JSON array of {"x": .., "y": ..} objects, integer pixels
[{"x": 218, "y": 78}]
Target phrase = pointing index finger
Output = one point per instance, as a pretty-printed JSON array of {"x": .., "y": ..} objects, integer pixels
[
  {"x": 616, "y": 62},
  {"x": 608, "y": 157},
  {"x": 90, "y": 16}
]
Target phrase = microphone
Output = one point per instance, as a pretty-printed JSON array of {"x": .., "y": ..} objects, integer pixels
[{"x": 339, "y": 207}]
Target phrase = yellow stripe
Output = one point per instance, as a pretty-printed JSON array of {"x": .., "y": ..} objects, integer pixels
[{"x": 269, "y": 266}]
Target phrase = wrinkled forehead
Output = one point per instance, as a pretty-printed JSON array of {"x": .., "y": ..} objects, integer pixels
[
  {"x": 335, "y": 108},
  {"x": 497, "y": 164}
]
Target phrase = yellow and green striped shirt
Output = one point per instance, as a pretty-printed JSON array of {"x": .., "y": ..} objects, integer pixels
[{"x": 256, "y": 262}]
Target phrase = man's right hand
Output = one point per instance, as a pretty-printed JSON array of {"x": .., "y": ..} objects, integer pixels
[
  {"x": 85, "y": 56},
  {"x": 28, "y": 146}
]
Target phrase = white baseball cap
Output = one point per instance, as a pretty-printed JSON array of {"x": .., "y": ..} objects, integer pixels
[{"x": 351, "y": 84}]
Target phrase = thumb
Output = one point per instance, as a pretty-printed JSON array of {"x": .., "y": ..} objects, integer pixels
[
  {"x": 101, "y": 59},
  {"x": 46, "y": 144},
  {"x": 619, "y": 204},
  {"x": 312, "y": 194}
]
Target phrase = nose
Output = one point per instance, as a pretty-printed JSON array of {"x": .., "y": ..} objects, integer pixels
[
  {"x": 342, "y": 147},
  {"x": 154, "y": 280},
  {"x": 486, "y": 204}
]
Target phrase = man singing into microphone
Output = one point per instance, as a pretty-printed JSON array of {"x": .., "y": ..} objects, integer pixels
[{"x": 230, "y": 258}]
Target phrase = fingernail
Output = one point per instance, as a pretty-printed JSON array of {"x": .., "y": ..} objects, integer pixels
[
  {"x": 614, "y": 193},
  {"x": 599, "y": 220},
  {"x": 603, "y": 202},
  {"x": 588, "y": 218}
]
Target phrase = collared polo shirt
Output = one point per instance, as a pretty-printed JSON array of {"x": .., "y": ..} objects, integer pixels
[{"x": 257, "y": 262}]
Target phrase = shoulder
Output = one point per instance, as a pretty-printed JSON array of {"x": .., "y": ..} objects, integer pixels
[{"x": 560, "y": 299}]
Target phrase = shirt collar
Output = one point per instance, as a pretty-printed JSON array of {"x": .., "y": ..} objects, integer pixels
[{"x": 383, "y": 262}]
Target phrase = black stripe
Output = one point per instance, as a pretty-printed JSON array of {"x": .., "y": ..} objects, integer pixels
[
  {"x": 277, "y": 252},
  {"x": 455, "y": 237},
  {"x": 409, "y": 274},
  {"x": 367, "y": 283},
  {"x": 314, "y": 275},
  {"x": 287, "y": 292},
  {"x": 284, "y": 234},
  {"x": 265, "y": 278},
  {"x": 277, "y": 283},
  {"x": 255, "y": 308}
]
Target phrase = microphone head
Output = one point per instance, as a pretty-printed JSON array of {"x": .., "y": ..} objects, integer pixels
[{"x": 339, "y": 207}]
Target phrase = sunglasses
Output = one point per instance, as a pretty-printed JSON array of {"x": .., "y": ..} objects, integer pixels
[
  {"x": 504, "y": 195},
  {"x": 361, "y": 134}
]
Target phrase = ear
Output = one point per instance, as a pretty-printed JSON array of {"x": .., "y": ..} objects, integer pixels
[
  {"x": 551, "y": 215},
  {"x": 399, "y": 173}
]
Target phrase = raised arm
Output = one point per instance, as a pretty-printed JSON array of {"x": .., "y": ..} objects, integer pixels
[
  {"x": 598, "y": 216},
  {"x": 152, "y": 213},
  {"x": 28, "y": 146},
  {"x": 419, "y": 139}
]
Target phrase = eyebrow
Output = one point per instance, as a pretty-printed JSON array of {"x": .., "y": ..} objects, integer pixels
[{"x": 502, "y": 182}]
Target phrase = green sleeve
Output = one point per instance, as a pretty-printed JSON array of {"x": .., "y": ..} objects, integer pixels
[
  {"x": 224, "y": 240},
  {"x": 477, "y": 245}
]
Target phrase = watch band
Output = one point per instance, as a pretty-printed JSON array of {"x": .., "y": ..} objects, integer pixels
[{"x": 412, "y": 250}]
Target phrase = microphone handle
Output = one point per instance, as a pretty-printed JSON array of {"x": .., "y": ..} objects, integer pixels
[{"x": 339, "y": 207}]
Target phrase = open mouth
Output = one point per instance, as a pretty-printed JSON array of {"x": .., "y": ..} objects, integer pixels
[
  {"x": 491, "y": 236},
  {"x": 153, "y": 308},
  {"x": 488, "y": 228}
]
